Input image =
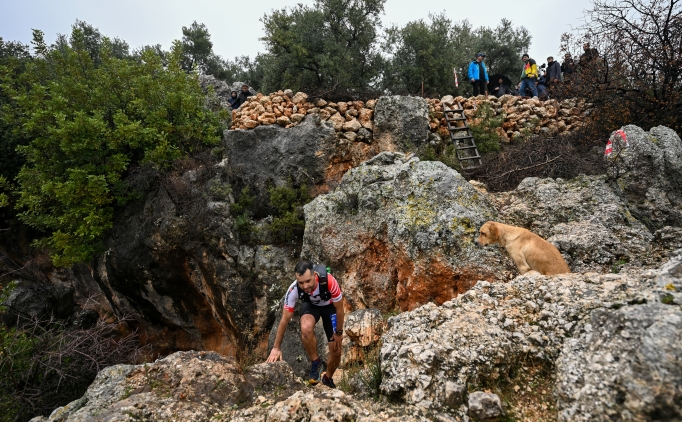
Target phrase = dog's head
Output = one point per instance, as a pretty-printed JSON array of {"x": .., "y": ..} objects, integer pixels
[{"x": 488, "y": 234}]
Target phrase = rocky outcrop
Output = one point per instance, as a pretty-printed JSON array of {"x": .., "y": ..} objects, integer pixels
[
  {"x": 625, "y": 362},
  {"x": 400, "y": 233},
  {"x": 596, "y": 327},
  {"x": 648, "y": 174},
  {"x": 205, "y": 386},
  {"x": 583, "y": 217},
  {"x": 271, "y": 155},
  {"x": 401, "y": 121}
]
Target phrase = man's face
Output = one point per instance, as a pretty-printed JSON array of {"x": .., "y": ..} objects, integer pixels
[
  {"x": 501, "y": 81},
  {"x": 586, "y": 47},
  {"x": 550, "y": 60},
  {"x": 306, "y": 281},
  {"x": 525, "y": 59},
  {"x": 245, "y": 89},
  {"x": 479, "y": 59},
  {"x": 567, "y": 57}
]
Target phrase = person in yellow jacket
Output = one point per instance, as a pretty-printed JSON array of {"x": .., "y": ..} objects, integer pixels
[{"x": 529, "y": 76}]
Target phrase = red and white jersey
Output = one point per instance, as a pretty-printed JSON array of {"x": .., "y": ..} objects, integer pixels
[{"x": 292, "y": 294}]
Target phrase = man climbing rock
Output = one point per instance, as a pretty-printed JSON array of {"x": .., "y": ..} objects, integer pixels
[{"x": 321, "y": 297}]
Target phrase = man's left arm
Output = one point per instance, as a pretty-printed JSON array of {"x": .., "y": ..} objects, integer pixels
[{"x": 339, "y": 321}]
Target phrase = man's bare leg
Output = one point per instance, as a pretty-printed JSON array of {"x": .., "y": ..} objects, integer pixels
[
  {"x": 334, "y": 358},
  {"x": 308, "y": 336}
]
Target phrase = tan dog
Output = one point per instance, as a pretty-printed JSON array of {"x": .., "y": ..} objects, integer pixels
[{"x": 529, "y": 251}]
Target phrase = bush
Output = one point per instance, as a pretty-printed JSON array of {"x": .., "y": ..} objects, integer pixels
[
  {"x": 89, "y": 122},
  {"x": 289, "y": 223},
  {"x": 47, "y": 364},
  {"x": 485, "y": 132}
]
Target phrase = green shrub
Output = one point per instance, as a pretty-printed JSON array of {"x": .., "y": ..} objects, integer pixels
[
  {"x": 89, "y": 122},
  {"x": 289, "y": 223},
  {"x": 485, "y": 134}
]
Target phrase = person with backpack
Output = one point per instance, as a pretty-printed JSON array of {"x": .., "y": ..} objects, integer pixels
[
  {"x": 529, "y": 75},
  {"x": 478, "y": 74},
  {"x": 321, "y": 297}
]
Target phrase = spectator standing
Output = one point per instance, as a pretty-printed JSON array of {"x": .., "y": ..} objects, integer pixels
[
  {"x": 589, "y": 55},
  {"x": 478, "y": 75},
  {"x": 529, "y": 75},
  {"x": 553, "y": 76},
  {"x": 568, "y": 67},
  {"x": 243, "y": 96}
]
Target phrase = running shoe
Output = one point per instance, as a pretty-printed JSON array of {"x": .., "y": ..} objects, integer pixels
[
  {"x": 328, "y": 381},
  {"x": 314, "y": 376}
]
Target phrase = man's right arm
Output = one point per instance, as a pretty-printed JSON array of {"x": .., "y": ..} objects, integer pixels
[{"x": 276, "y": 352}]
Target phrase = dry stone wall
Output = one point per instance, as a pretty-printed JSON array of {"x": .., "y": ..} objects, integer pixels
[{"x": 354, "y": 120}]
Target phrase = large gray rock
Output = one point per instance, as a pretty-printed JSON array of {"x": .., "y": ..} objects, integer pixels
[
  {"x": 270, "y": 154},
  {"x": 484, "y": 406},
  {"x": 477, "y": 337},
  {"x": 402, "y": 122},
  {"x": 174, "y": 266},
  {"x": 34, "y": 301},
  {"x": 582, "y": 217},
  {"x": 648, "y": 175},
  {"x": 399, "y": 232},
  {"x": 625, "y": 363}
]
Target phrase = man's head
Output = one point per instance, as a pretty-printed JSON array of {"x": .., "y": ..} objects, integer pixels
[
  {"x": 245, "y": 88},
  {"x": 500, "y": 81},
  {"x": 525, "y": 58},
  {"x": 586, "y": 46},
  {"x": 305, "y": 276},
  {"x": 480, "y": 57},
  {"x": 550, "y": 59},
  {"x": 567, "y": 56}
]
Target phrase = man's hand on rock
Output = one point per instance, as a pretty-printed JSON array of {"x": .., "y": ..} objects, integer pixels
[{"x": 275, "y": 355}]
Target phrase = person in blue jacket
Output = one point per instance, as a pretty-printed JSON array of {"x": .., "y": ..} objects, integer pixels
[{"x": 478, "y": 74}]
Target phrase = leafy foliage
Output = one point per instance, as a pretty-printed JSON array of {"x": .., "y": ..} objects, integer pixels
[
  {"x": 288, "y": 224},
  {"x": 485, "y": 131},
  {"x": 331, "y": 46},
  {"x": 89, "y": 119}
]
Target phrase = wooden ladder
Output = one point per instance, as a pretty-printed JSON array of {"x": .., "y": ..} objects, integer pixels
[{"x": 461, "y": 136}]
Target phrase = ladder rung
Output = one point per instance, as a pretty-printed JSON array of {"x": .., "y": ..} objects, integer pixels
[
  {"x": 454, "y": 119},
  {"x": 473, "y": 146},
  {"x": 453, "y": 110},
  {"x": 461, "y": 137},
  {"x": 470, "y": 158},
  {"x": 459, "y": 128}
]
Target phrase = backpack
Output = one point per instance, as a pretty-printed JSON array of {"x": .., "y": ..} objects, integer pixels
[{"x": 325, "y": 294}]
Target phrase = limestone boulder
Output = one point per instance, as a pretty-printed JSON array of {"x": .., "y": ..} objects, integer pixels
[
  {"x": 648, "y": 174},
  {"x": 352, "y": 126},
  {"x": 364, "y": 327},
  {"x": 272, "y": 154},
  {"x": 583, "y": 217},
  {"x": 337, "y": 121},
  {"x": 605, "y": 333},
  {"x": 402, "y": 122},
  {"x": 485, "y": 406},
  {"x": 400, "y": 232},
  {"x": 299, "y": 98}
]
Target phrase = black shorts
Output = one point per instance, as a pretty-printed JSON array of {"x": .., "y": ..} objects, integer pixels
[{"x": 321, "y": 311}]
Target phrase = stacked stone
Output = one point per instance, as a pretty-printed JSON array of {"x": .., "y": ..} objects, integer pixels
[
  {"x": 549, "y": 117},
  {"x": 352, "y": 119}
]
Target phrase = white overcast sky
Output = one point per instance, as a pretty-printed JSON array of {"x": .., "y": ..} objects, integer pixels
[{"x": 235, "y": 25}]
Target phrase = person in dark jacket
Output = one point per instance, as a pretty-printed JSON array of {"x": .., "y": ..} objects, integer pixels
[
  {"x": 568, "y": 66},
  {"x": 478, "y": 74},
  {"x": 553, "y": 72},
  {"x": 502, "y": 88},
  {"x": 589, "y": 55},
  {"x": 233, "y": 100},
  {"x": 243, "y": 96}
]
